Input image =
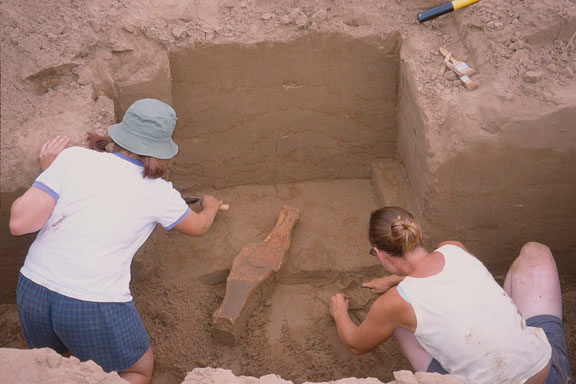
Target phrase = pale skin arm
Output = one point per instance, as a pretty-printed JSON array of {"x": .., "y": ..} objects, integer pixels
[
  {"x": 197, "y": 224},
  {"x": 388, "y": 313},
  {"x": 383, "y": 284},
  {"x": 31, "y": 211}
]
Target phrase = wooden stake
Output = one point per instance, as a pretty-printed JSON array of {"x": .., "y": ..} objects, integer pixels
[
  {"x": 566, "y": 48},
  {"x": 446, "y": 60}
]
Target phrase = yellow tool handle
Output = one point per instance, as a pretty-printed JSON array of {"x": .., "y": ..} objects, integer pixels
[
  {"x": 457, "y": 4},
  {"x": 442, "y": 9}
]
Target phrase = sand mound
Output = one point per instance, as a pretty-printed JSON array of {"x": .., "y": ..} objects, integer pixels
[{"x": 45, "y": 366}]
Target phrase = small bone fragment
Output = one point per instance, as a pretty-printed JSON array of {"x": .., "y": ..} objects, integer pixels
[
  {"x": 436, "y": 378},
  {"x": 250, "y": 278},
  {"x": 405, "y": 377},
  {"x": 224, "y": 207}
]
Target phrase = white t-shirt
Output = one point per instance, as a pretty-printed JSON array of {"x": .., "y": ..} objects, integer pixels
[
  {"x": 467, "y": 322},
  {"x": 105, "y": 210}
]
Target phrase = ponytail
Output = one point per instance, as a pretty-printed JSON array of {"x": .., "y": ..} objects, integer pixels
[
  {"x": 98, "y": 142},
  {"x": 393, "y": 230},
  {"x": 153, "y": 167}
]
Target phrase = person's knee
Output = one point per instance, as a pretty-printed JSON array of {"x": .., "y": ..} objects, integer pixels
[
  {"x": 533, "y": 255},
  {"x": 537, "y": 251},
  {"x": 536, "y": 248}
]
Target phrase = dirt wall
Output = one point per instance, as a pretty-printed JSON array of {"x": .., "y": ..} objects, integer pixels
[
  {"x": 490, "y": 167},
  {"x": 322, "y": 106}
]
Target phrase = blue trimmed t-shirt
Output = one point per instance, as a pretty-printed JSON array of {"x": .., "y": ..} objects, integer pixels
[{"x": 105, "y": 210}]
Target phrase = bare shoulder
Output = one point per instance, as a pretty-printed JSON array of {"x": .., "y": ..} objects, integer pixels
[
  {"x": 385, "y": 316},
  {"x": 394, "y": 309}
]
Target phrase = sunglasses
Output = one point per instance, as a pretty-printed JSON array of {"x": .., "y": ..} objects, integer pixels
[{"x": 372, "y": 250}]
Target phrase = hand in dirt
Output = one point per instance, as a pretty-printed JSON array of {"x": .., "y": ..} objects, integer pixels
[
  {"x": 51, "y": 149},
  {"x": 338, "y": 304},
  {"x": 382, "y": 284},
  {"x": 209, "y": 201}
]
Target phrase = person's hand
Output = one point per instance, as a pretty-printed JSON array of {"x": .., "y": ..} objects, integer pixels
[
  {"x": 338, "y": 304},
  {"x": 209, "y": 201},
  {"x": 51, "y": 149},
  {"x": 382, "y": 284}
]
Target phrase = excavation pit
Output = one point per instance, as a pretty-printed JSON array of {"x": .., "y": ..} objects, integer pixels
[{"x": 297, "y": 124}]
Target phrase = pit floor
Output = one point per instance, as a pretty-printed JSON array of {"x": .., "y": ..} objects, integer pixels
[{"x": 292, "y": 333}]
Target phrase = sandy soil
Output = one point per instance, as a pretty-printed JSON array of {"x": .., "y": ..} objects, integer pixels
[
  {"x": 297, "y": 99},
  {"x": 299, "y": 344},
  {"x": 179, "y": 282},
  {"x": 46, "y": 366}
]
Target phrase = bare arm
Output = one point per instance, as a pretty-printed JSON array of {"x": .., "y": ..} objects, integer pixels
[
  {"x": 197, "y": 224},
  {"x": 388, "y": 313},
  {"x": 30, "y": 211},
  {"x": 384, "y": 283}
]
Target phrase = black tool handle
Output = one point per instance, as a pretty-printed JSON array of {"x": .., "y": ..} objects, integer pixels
[{"x": 435, "y": 12}]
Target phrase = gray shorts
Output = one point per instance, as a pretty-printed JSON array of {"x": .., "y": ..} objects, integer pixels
[{"x": 552, "y": 326}]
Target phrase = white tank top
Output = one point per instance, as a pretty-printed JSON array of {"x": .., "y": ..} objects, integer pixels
[{"x": 467, "y": 322}]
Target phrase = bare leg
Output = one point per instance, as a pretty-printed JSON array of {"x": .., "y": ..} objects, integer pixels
[
  {"x": 141, "y": 371},
  {"x": 412, "y": 350},
  {"x": 532, "y": 282}
]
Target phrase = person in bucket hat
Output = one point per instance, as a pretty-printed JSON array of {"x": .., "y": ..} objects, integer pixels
[
  {"x": 146, "y": 129},
  {"x": 94, "y": 209}
]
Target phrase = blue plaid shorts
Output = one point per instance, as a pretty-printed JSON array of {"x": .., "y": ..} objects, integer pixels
[
  {"x": 560, "y": 368},
  {"x": 110, "y": 334}
]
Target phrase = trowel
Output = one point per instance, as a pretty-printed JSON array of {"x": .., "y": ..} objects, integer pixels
[{"x": 194, "y": 200}]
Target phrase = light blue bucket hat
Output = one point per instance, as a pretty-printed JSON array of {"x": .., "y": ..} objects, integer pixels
[{"x": 146, "y": 129}]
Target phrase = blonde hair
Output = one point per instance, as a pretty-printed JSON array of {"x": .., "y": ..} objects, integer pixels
[{"x": 394, "y": 231}]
